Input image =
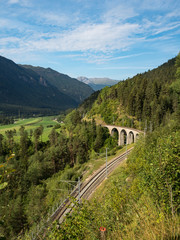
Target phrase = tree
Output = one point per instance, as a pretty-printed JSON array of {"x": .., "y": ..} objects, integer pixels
[
  {"x": 10, "y": 135},
  {"x": 175, "y": 88},
  {"x": 37, "y": 134},
  {"x": 99, "y": 139},
  {"x": 1, "y": 143},
  {"x": 23, "y": 141},
  {"x": 53, "y": 137},
  {"x": 41, "y": 128}
]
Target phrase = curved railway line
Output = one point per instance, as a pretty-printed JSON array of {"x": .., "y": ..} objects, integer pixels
[
  {"x": 88, "y": 187},
  {"x": 82, "y": 191}
]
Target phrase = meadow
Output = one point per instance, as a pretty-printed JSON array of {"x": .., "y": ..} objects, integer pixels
[{"x": 31, "y": 124}]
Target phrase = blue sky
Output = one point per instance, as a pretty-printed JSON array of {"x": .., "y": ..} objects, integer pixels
[{"x": 102, "y": 38}]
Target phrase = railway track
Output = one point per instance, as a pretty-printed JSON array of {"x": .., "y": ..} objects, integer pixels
[
  {"x": 83, "y": 192},
  {"x": 88, "y": 187}
]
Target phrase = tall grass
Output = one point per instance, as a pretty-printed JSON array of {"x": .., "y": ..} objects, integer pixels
[{"x": 148, "y": 223}]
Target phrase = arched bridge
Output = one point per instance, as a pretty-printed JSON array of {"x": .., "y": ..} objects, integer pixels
[{"x": 125, "y": 135}]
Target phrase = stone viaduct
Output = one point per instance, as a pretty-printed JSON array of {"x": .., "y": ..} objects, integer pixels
[{"x": 125, "y": 134}]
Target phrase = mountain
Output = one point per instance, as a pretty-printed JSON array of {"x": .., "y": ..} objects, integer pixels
[
  {"x": 98, "y": 83},
  {"x": 145, "y": 101},
  {"x": 65, "y": 84},
  {"x": 22, "y": 89}
]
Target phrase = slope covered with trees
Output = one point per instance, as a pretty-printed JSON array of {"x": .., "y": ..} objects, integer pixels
[
  {"x": 146, "y": 98},
  {"x": 65, "y": 84},
  {"x": 140, "y": 201},
  {"x": 37, "y": 91},
  {"x": 30, "y": 178}
]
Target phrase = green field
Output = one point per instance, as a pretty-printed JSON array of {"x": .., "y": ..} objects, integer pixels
[{"x": 31, "y": 124}]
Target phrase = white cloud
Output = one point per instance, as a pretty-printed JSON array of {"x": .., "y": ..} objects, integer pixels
[
  {"x": 43, "y": 30},
  {"x": 25, "y": 3},
  {"x": 119, "y": 13},
  {"x": 127, "y": 56},
  {"x": 159, "y": 25},
  {"x": 124, "y": 67},
  {"x": 154, "y": 4},
  {"x": 9, "y": 40},
  {"x": 175, "y": 13},
  {"x": 51, "y": 18},
  {"x": 13, "y": 1},
  {"x": 4, "y": 23},
  {"x": 167, "y": 28},
  {"x": 96, "y": 42},
  {"x": 95, "y": 37}
]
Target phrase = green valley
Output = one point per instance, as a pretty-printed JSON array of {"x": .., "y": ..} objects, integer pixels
[
  {"x": 90, "y": 120},
  {"x": 30, "y": 125}
]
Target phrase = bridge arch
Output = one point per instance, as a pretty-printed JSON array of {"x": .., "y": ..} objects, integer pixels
[
  {"x": 114, "y": 130},
  {"x": 115, "y": 133},
  {"x": 123, "y": 137},
  {"x": 130, "y": 137}
]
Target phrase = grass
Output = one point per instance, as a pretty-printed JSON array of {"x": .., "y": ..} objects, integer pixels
[
  {"x": 103, "y": 189},
  {"x": 97, "y": 161},
  {"x": 142, "y": 220},
  {"x": 58, "y": 190},
  {"x": 147, "y": 221},
  {"x": 85, "y": 170},
  {"x": 31, "y": 124}
]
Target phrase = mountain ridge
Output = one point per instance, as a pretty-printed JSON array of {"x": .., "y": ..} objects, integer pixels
[
  {"x": 65, "y": 84},
  {"x": 24, "y": 89}
]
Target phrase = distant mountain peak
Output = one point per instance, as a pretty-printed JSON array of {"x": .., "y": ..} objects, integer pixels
[
  {"x": 84, "y": 79},
  {"x": 97, "y": 83}
]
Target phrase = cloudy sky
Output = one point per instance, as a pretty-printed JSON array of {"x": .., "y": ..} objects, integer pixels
[{"x": 92, "y": 38}]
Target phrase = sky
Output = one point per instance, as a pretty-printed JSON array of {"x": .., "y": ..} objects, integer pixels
[{"x": 92, "y": 38}]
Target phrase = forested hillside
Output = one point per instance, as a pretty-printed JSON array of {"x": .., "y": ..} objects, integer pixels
[
  {"x": 31, "y": 170},
  {"x": 29, "y": 90},
  {"x": 148, "y": 98},
  {"x": 141, "y": 201},
  {"x": 77, "y": 90}
]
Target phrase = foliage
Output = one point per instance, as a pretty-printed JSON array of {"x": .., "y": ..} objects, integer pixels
[
  {"x": 36, "y": 163},
  {"x": 146, "y": 99},
  {"x": 86, "y": 105},
  {"x": 6, "y": 120},
  {"x": 158, "y": 169},
  {"x": 76, "y": 225},
  {"x": 4, "y": 172},
  {"x": 175, "y": 89},
  {"x": 140, "y": 202}
]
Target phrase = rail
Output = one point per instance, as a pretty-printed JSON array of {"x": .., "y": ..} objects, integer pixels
[{"x": 87, "y": 187}]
